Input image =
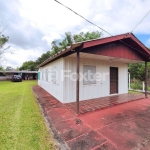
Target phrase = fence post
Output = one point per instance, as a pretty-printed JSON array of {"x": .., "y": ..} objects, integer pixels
[
  {"x": 129, "y": 81},
  {"x": 146, "y": 77},
  {"x": 143, "y": 86}
]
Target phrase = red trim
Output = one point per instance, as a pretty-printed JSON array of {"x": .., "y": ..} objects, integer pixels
[
  {"x": 128, "y": 46},
  {"x": 105, "y": 40},
  {"x": 89, "y": 44},
  {"x": 139, "y": 43},
  {"x": 115, "y": 49}
]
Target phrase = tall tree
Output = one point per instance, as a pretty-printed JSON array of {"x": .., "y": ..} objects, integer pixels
[
  {"x": 3, "y": 41},
  {"x": 43, "y": 57},
  {"x": 87, "y": 36},
  {"x": 55, "y": 47},
  {"x": 9, "y": 68},
  {"x": 70, "y": 39},
  {"x": 1, "y": 68},
  {"x": 137, "y": 71},
  {"x": 28, "y": 65},
  {"x": 67, "y": 41}
]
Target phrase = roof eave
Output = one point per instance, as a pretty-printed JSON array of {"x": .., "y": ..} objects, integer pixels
[{"x": 59, "y": 54}]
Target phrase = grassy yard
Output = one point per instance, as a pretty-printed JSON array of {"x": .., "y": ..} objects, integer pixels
[
  {"x": 134, "y": 92},
  {"x": 21, "y": 124}
]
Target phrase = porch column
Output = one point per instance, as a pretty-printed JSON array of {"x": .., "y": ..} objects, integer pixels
[
  {"x": 146, "y": 76},
  {"x": 77, "y": 81},
  {"x": 129, "y": 81}
]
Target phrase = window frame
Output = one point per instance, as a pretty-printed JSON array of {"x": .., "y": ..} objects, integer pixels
[{"x": 92, "y": 70}]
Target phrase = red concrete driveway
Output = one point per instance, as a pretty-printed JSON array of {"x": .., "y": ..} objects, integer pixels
[{"x": 122, "y": 127}]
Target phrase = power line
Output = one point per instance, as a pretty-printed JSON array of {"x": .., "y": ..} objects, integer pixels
[
  {"x": 99, "y": 27},
  {"x": 141, "y": 20},
  {"x": 3, "y": 29},
  {"x": 83, "y": 17},
  {"x": 1, "y": 24}
]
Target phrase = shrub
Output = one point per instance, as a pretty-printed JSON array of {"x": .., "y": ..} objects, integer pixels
[{"x": 137, "y": 85}]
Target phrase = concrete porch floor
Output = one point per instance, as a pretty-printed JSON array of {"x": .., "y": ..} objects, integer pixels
[
  {"x": 104, "y": 102},
  {"x": 121, "y": 127}
]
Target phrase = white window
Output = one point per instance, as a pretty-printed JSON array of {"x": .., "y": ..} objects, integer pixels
[
  {"x": 52, "y": 74},
  {"x": 89, "y": 75}
]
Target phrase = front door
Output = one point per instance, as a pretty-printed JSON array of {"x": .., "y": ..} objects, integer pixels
[{"x": 113, "y": 80}]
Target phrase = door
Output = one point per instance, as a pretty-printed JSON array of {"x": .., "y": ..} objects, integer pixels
[{"x": 113, "y": 80}]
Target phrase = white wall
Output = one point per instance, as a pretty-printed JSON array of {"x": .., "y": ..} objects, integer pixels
[
  {"x": 2, "y": 78},
  {"x": 101, "y": 88},
  {"x": 65, "y": 90},
  {"x": 55, "y": 89}
]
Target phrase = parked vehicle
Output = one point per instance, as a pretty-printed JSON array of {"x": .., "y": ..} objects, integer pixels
[{"x": 16, "y": 78}]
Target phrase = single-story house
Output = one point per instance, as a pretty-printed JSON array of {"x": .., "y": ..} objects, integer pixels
[
  {"x": 101, "y": 64},
  {"x": 26, "y": 75}
]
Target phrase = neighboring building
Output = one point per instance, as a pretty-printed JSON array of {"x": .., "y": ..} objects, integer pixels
[
  {"x": 26, "y": 75},
  {"x": 108, "y": 58}
]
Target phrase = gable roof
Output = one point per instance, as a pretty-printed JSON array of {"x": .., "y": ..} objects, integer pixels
[{"x": 128, "y": 39}]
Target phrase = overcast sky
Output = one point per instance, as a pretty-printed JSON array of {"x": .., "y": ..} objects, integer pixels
[{"x": 33, "y": 24}]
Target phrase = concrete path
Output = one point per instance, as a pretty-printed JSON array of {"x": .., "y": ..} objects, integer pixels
[{"x": 122, "y": 127}]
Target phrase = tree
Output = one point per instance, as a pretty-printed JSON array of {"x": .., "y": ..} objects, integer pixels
[
  {"x": 55, "y": 47},
  {"x": 28, "y": 65},
  {"x": 17, "y": 69},
  {"x": 137, "y": 71},
  {"x": 43, "y": 57},
  {"x": 87, "y": 36},
  {"x": 70, "y": 39},
  {"x": 67, "y": 41},
  {"x": 3, "y": 41},
  {"x": 1, "y": 68},
  {"x": 9, "y": 68}
]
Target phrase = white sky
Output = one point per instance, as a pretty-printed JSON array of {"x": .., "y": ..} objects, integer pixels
[{"x": 33, "y": 24}]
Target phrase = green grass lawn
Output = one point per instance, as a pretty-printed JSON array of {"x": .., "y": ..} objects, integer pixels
[
  {"x": 134, "y": 92},
  {"x": 21, "y": 124}
]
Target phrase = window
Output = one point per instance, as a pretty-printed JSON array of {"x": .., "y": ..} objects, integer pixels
[
  {"x": 46, "y": 74},
  {"x": 89, "y": 75},
  {"x": 49, "y": 74},
  {"x": 52, "y": 74}
]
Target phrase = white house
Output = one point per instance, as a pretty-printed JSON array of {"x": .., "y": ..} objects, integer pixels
[{"x": 102, "y": 65}]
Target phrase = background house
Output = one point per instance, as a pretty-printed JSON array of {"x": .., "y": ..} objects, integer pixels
[{"x": 7, "y": 75}]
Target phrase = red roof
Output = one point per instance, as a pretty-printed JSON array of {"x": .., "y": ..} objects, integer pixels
[{"x": 127, "y": 39}]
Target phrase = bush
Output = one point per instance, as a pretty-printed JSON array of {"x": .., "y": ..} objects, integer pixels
[
  {"x": 148, "y": 88},
  {"x": 137, "y": 85}
]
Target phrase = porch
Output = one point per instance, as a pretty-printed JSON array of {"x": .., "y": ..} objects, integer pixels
[
  {"x": 103, "y": 102},
  {"x": 114, "y": 52},
  {"x": 122, "y": 127},
  {"x": 109, "y": 90}
]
